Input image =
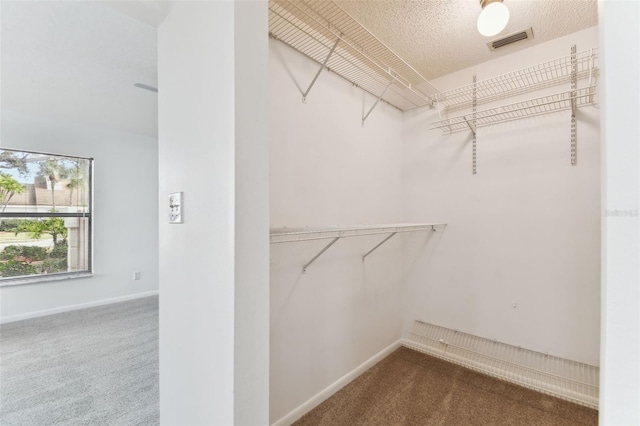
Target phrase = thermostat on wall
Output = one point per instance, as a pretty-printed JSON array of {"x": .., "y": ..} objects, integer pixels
[{"x": 175, "y": 207}]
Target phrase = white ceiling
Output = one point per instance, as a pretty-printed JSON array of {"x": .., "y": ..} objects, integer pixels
[
  {"x": 438, "y": 37},
  {"x": 78, "y": 61}
]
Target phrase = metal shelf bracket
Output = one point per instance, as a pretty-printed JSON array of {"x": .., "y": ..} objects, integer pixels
[
  {"x": 364, "y": 117},
  {"x": 332, "y": 242},
  {"x": 378, "y": 245},
  {"x": 324, "y": 64}
]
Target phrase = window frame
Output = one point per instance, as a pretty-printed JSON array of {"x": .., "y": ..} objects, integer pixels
[{"x": 56, "y": 276}]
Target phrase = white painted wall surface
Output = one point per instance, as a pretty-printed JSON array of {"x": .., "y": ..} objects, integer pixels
[
  {"x": 525, "y": 230},
  {"x": 125, "y": 221},
  {"x": 251, "y": 391},
  {"x": 213, "y": 147},
  {"x": 620, "y": 371},
  {"x": 196, "y": 131},
  {"x": 326, "y": 169}
]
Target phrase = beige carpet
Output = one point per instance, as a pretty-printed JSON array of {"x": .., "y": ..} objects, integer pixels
[{"x": 410, "y": 388}]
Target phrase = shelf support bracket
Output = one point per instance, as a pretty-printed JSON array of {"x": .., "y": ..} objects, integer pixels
[
  {"x": 324, "y": 64},
  {"x": 332, "y": 242},
  {"x": 473, "y": 128},
  {"x": 574, "y": 87},
  {"x": 378, "y": 245},
  {"x": 364, "y": 117}
]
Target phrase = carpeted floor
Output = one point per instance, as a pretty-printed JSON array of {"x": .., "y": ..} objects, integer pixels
[
  {"x": 99, "y": 366},
  {"x": 96, "y": 366},
  {"x": 410, "y": 388}
]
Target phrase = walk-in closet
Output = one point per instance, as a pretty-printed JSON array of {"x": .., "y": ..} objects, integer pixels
[{"x": 441, "y": 205}]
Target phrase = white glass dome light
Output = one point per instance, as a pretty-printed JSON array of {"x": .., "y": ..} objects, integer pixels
[{"x": 493, "y": 18}]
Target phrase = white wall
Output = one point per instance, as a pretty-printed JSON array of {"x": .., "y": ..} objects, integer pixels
[
  {"x": 251, "y": 364},
  {"x": 195, "y": 72},
  {"x": 326, "y": 170},
  {"x": 125, "y": 218},
  {"x": 620, "y": 372},
  {"x": 213, "y": 147},
  {"x": 525, "y": 230}
]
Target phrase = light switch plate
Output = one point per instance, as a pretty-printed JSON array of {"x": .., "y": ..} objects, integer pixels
[{"x": 175, "y": 207}]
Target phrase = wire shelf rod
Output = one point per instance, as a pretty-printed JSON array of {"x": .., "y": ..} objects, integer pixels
[{"x": 283, "y": 235}]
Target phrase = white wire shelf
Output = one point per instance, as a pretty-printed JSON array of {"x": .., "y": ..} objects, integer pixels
[
  {"x": 547, "y": 74},
  {"x": 516, "y": 111},
  {"x": 324, "y": 32},
  {"x": 334, "y": 234},
  {"x": 570, "y": 380},
  {"x": 291, "y": 235}
]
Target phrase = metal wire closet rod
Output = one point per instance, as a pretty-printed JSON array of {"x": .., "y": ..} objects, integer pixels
[
  {"x": 505, "y": 361},
  {"x": 546, "y": 74},
  {"x": 284, "y": 235}
]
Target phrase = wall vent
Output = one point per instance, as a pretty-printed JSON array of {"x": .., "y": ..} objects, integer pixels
[
  {"x": 570, "y": 380},
  {"x": 510, "y": 39}
]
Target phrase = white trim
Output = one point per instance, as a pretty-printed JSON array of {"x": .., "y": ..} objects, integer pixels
[
  {"x": 36, "y": 314},
  {"x": 324, "y": 394}
]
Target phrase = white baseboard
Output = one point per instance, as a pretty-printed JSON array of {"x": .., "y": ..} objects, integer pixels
[
  {"x": 320, "y": 397},
  {"x": 36, "y": 314}
]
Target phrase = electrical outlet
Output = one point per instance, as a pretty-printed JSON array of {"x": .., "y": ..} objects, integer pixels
[{"x": 136, "y": 275}]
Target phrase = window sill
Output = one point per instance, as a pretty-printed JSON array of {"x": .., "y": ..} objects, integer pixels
[{"x": 44, "y": 278}]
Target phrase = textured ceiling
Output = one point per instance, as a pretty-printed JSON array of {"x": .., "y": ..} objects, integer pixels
[
  {"x": 438, "y": 37},
  {"x": 78, "y": 61}
]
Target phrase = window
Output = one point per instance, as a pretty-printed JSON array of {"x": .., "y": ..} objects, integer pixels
[{"x": 45, "y": 216}]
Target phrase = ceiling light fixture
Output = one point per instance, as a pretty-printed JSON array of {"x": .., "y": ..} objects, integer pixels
[{"x": 493, "y": 18}]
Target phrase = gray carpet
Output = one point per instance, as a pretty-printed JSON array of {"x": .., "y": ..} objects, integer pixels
[{"x": 96, "y": 366}]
